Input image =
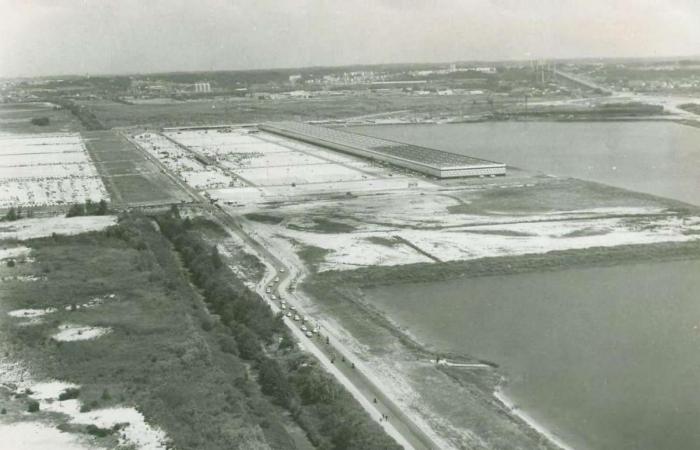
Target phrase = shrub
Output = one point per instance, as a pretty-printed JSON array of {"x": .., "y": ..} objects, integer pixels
[
  {"x": 40, "y": 121},
  {"x": 69, "y": 394},
  {"x": 97, "y": 431},
  {"x": 33, "y": 406}
]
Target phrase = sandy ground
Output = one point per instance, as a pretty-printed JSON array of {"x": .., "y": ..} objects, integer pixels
[
  {"x": 39, "y": 430},
  {"x": 423, "y": 230},
  {"x": 38, "y": 436},
  {"x": 42, "y": 227},
  {"x": 72, "y": 332}
]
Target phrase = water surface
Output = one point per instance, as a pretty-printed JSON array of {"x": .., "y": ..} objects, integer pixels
[
  {"x": 608, "y": 358},
  {"x": 661, "y": 158}
]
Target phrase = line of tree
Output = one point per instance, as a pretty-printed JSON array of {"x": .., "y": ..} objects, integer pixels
[
  {"x": 82, "y": 113},
  {"x": 88, "y": 209},
  {"x": 12, "y": 214},
  {"x": 330, "y": 416}
]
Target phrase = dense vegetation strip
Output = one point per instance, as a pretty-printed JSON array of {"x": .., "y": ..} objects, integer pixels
[{"x": 329, "y": 415}]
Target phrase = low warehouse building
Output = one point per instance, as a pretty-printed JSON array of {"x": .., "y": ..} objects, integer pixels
[{"x": 437, "y": 163}]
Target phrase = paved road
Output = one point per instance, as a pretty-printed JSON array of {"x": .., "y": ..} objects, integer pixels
[{"x": 336, "y": 359}]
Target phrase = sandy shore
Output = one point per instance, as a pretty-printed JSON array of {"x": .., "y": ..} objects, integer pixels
[{"x": 531, "y": 421}]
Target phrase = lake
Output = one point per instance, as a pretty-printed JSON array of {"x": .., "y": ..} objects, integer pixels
[
  {"x": 660, "y": 158},
  {"x": 607, "y": 358}
]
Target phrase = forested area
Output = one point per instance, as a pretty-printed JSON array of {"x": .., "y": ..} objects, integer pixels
[{"x": 328, "y": 414}]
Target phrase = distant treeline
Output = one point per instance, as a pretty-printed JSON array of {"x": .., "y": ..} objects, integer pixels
[
  {"x": 86, "y": 117},
  {"x": 330, "y": 416},
  {"x": 88, "y": 209}
]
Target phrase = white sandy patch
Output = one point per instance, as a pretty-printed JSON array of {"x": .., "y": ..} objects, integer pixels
[
  {"x": 37, "y": 436},
  {"x": 14, "y": 252},
  {"x": 136, "y": 432},
  {"x": 70, "y": 332},
  {"x": 30, "y": 313},
  {"x": 49, "y": 390},
  {"x": 35, "y": 228},
  {"x": 352, "y": 250}
]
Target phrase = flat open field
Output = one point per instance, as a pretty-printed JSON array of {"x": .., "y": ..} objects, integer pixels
[
  {"x": 130, "y": 177},
  {"x": 428, "y": 225},
  {"x": 246, "y": 110},
  {"x": 46, "y": 170},
  {"x": 15, "y": 118}
]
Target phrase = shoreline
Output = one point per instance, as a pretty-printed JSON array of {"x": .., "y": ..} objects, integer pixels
[{"x": 533, "y": 423}]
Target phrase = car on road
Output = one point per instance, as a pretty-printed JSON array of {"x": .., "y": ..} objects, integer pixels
[
  {"x": 303, "y": 328},
  {"x": 283, "y": 306},
  {"x": 277, "y": 279},
  {"x": 282, "y": 269},
  {"x": 289, "y": 314},
  {"x": 309, "y": 334},
  {"x": 273, "y": 297},
  {"x": 267, "y": 290},
  {"x": 296, "y": 317}
]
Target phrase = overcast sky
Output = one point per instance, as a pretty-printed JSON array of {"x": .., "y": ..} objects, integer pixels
[{"x": 47, "y": 37}]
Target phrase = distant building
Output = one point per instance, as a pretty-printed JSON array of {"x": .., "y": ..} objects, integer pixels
[
  {"x": 202, "y": 87},
  {"x": 429, "y": 161}
]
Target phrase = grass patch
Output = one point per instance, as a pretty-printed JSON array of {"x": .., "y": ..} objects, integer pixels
[
  {"x": 323, "y": 225},
  {"x": 380, "y": 240},
  {"x": 313, "y": 256},
  {"x": 264, "y": 218}
]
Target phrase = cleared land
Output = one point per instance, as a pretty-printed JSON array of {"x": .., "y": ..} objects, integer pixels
[
  {"x": 16, "y": 118},
  {"x": 47, "y": 169},
  {"x": 130, "y": 177},
  {"x": 264, "y": 166}
]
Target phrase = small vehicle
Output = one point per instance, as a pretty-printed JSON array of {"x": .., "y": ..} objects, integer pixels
[
  {"x": 315, "y": 330},
  {"x": 273, "y": 297},
  {"x": 296, "y": 317},
  {"x": 303, "y": 328},
  {"x": 277, "y": 279},
  {"x": 309, "y": 334},
  {"x": 283, "y": 306},
  {"x": 267, "y": 290},
  {"x": 289, "y": 314},
  {"x": 282, "y": 270},
  {"x": 293, "y": 308}
]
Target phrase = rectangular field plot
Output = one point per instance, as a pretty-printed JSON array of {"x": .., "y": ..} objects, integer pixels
[
  {"x": 183, "y": 163},
  {"x": 51, "y": 192},
  {"x": 316, "y": 173},
  {"x": 47, "y": 170},
  {"x": 85, "y": 170},
  {"x": 252, "y": 160},
  {"x": 130, "y": 177},
  {"x": 40, "y": 159},
  {"x": 211, "y": 138}
]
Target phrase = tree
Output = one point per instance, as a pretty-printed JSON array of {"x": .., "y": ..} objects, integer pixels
[
  {"x": 76, "y": 210},
  {"x": 102, "y": 208},
  {"x": 11, "y": 215},
  {"x": 40, "y": 121}
]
